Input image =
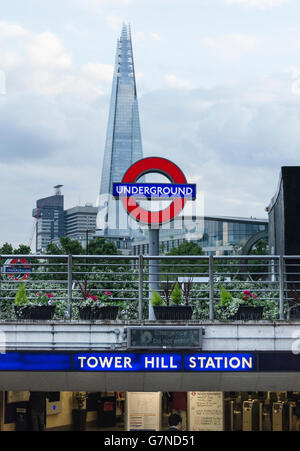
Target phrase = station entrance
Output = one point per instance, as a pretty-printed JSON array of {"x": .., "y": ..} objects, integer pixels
[{"x": 150, "y": 411}]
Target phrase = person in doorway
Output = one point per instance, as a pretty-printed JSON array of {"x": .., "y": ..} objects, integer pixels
[
  {"x": 175, "y": 422},
  {"x": 37, "y": 403},
  {"x": 179, "y": 406}
]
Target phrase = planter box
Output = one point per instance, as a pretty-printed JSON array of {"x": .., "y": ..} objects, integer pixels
[
  {"x": 44, "y": 312},
  {"x": 173, "y": 312},
  {"x": 107, "y": 312},
  {"x": 248, "y": 312},
  {"x": 295, "y": 312}
]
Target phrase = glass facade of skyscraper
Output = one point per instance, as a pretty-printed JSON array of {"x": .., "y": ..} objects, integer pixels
[
  {"x": 216, "y": 235},
  {"x": 123, "y": 141}
]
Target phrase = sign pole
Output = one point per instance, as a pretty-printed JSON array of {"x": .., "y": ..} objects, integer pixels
[
  {"x": 178, "y": 191},
  {"x": 153, "y": 266}
]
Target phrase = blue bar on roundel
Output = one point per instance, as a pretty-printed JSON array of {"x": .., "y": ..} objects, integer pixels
[{"x": 155, "y": 190}]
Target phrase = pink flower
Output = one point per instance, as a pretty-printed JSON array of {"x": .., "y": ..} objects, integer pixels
[
  {"x": 246, "y": 298},
  {"x": 108, "y": 293},
  {"x": 94, "y": 298},
  {"x": 247, "y": 293},
  {"x": 49, "y": 295},
  {"x": 255, "y": 297}
]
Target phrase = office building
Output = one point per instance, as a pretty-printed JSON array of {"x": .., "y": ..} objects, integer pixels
[
  {"x": 217, "y": 235},
  {"x": 49, "y": 216},
  {"x": 80, "y": 223}
]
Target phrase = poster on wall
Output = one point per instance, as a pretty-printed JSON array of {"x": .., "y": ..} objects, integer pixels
[
  {"x": 206, "y": 411},
  {"x": 143, "y": 411},
  {"x": 17, "y": 396}
]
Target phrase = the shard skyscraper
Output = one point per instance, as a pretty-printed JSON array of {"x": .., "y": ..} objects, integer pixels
[{"x": 123, "y": 140}]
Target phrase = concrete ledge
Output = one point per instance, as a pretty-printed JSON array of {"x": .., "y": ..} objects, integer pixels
[{"x": 110, "y": 335}]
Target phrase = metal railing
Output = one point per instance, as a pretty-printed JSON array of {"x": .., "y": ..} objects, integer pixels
[{"x": 213, "y": 285}]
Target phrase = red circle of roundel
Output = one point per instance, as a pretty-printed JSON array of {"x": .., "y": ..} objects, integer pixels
[
  {"x": 156, "y": 165},
  {"x": 16, "y": 261}
]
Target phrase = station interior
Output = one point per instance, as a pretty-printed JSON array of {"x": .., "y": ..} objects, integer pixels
[{"x": 128, "y": 411}]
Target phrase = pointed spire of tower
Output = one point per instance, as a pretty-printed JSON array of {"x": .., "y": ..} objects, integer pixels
[{"x": 123, "y": 140}]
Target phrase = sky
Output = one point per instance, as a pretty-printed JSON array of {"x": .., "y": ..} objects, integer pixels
[{"x": 218, "y": 85}]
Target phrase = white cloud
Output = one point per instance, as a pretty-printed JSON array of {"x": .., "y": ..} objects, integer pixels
[
  {"x": 98, "y": 71},
  {"x": 260, "y": 4},
  {"x": 46, "y": 49},
  {"x": 101, "y": 4},
  {"x": 156, "y": 36},
  {"x": 138, "y": 37},
  {"x": 11, "y": 30},
  {"x": 9, "y": 60},
  {"x": 231, "y": 46},
  {"x": 114, "y": 22},
  {"x": 174, "y": 82},
  {"x": 40, "y": 64}
]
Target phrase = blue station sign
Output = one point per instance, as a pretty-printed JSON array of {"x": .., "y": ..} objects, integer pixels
[
  {"x": 164, "y": 362},
  {"x": 219, "y": 362},
  {"x": 127, "y": 362},
  {"x": 150, "y": 362},
  {"x": 155, "y": 191},
  {"x": 31, "y": 361}
]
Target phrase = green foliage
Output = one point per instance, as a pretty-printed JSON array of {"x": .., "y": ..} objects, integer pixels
[
  {"x": 176, "y": 295},
  {"x": 225, "y": 296},
  {"x": 260, "y": 248},
  {"x": 6, "y": 249},
  {"x": 156, "y": 299},
  {"x": 22, "y": 250},
  {"x": 185, "y": 265},
  {"x": 187, "y": 248},
  {"x": 101, "y": 246},
  {"x": 67, "y": 247},
  {"x": 21, "y": 296}
]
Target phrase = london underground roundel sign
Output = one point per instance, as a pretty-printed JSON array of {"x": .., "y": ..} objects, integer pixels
[
  {"x": 179, "y": 191},
  {"x": 17, "y": 268}
]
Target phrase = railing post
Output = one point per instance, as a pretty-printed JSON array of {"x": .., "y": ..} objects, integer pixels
[
  {"x": 70, "y": 283},
  {"x": 141, "y": 281},
  {"x": 211, "y": 288},
  {"x": 281, "y": 273}
]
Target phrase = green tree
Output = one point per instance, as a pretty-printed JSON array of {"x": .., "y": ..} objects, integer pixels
[
  {"x": 53, "y": 249},
  {"x": 6, "y": 249},
  {"x": 22, "y": 250},
  {"x": 67, "y": 246},
  {"x": 187, "y": 248},
  {"x": 186, "y": 265},
  {"x": 101, "y": 246}
]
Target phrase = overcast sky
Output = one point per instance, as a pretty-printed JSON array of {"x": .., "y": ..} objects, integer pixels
[{"x": 219, "y": 94}]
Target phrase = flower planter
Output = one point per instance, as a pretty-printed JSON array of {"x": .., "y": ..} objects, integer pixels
[
  {"x": 43, "y": 312},
  {"x": 173, "y": 312},
  {"x": 107, "y": 312},
  {"x": 248, "y": 312},
  {"x": 295, "y": 313}
]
